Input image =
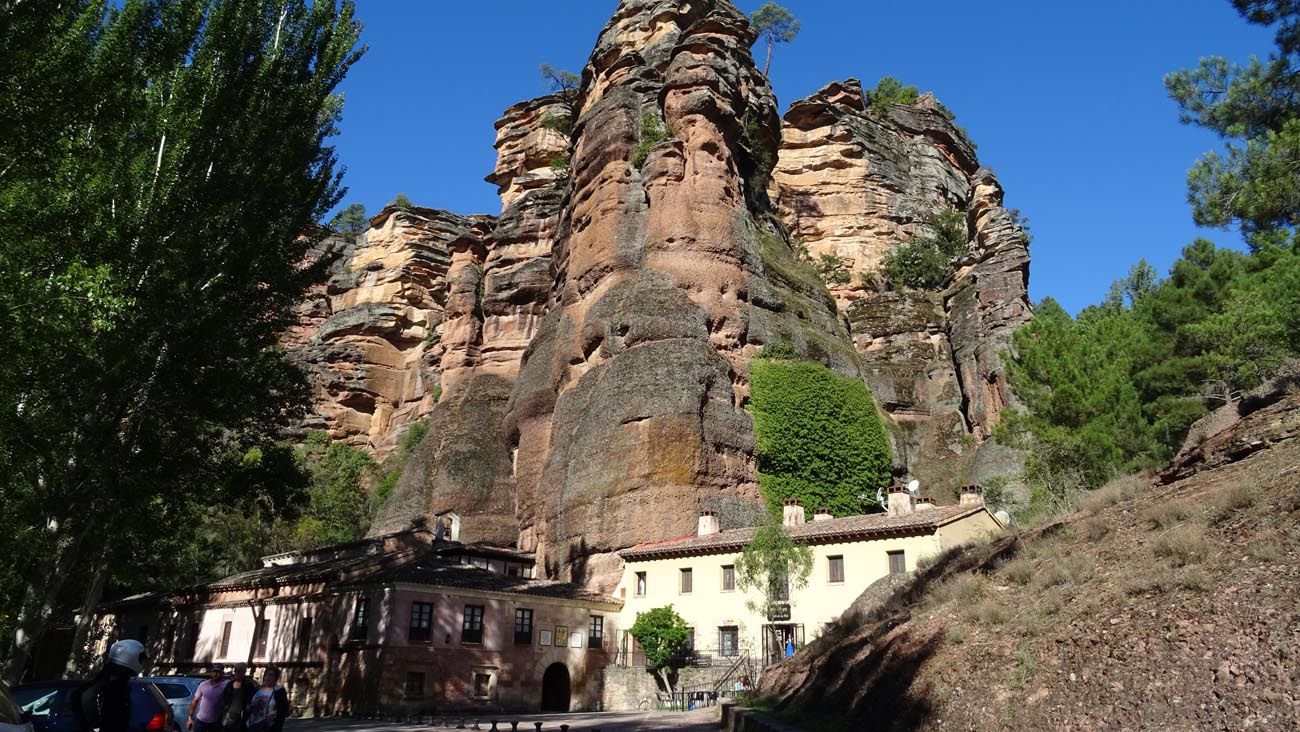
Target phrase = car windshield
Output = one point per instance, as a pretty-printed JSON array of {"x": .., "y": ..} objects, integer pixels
[{"x": 9, "y": 707}]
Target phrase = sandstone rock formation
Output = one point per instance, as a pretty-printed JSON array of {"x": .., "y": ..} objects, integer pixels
[
  {"x": 855, "y": 184},
  {"x": 590, "y": 346},
  {"x": 669, "y": 276},
  {"x": 368, "y": 337}
]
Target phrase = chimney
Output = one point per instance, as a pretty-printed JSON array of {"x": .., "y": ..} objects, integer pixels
[
  {"x": 823, "y": 514},
  {"x": 924, "y": 504},
  {"x": 792, "y": 514},
  {"x": 708, "y": 523},
  {"x": 900, "y": 501},
  {"x": 972, "y": 495}
]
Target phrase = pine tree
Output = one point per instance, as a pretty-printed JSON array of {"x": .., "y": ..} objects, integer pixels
[
  {"x": 774, "y": 24},
  {"x": 1255, "y": 108}
]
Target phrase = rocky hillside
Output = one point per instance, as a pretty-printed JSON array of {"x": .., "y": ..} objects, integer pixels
[
  {"x": 1148, "y": 608},
  {"x": 584, "y": 356}
]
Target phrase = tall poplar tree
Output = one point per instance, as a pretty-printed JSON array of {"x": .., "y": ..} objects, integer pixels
[{"x": 160, "y": 161}]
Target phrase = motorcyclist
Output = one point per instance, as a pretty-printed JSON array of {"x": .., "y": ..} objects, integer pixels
[{"x": 104, "y": 703}]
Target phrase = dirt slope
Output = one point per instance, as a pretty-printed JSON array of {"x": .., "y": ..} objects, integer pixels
[{"x": 1172, "y": 608}]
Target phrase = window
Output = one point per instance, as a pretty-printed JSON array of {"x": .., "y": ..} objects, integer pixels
[
  {"x": 421, "y": 629},
  {"x": 836, "y": 569},
  {"x": 728, "y": 578},
  {"x": 523, "y": 626},
  {"x": 262, "y": 634},
  {"x": 689, "y": 645},
  {"x": 414, "y": 684},
  {"x": 225, "y": 639},
  {"x": 482, "y": 685},
  {"x": 471, "y": 631},
  {"x": 142, "y": 635},
  {"x": 687, "y": 581},
  {"x": 640, "y": 584},
  {"x": 304, "y": 637},
  {"x": 729, "y": 641},
  {"x": 897, "y": 562},
  {"x": 192, "y": 642},
  {"x": 596, "y": 632},
  {"x": 361, "y": 620}
]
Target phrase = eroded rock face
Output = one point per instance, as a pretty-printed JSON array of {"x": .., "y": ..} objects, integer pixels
[
  {"x": 369, "y": 337},
  {"x": 530, "y": 137},
  {"x": 593, "y": 342},
  {"x": 856, "y": 184},
  {"x": 669, "y": 276}
]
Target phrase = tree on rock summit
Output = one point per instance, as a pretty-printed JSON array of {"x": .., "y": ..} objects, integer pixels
[{"x": 774, "y": 24}]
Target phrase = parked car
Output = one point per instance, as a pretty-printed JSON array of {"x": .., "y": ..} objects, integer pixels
[
  {"x": 12, "y": 717},
  {"x": 49, "y": 706},
  {"x": 178, "y": 690}
]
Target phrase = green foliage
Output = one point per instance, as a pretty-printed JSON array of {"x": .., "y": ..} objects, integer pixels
[
  {"x": 1117, "y": 388},
  {"x": 774, "y": 25},
  {"x": 559, "y": 165},
  {"x": 661, "y": 633},
  {"x": 559, "y": 81},
  {"x": 927, "y": 262},
  {"x": 833, "y": 268},
  {"x": 819, "y": 437},
  {"x": 401, "y": 201},
  {"x": 889, "y": 91},
  {"x": 336, "y": 508},
  {"x": 160, "y": 161},
  {"x": 1083, "y": 410},
  {"x": 351, "y": 221},
  {"x": 562, "y": 124},
  {"x": 1255, "y": 108},
  {"x": 652, "y": 131},
  {"x": 773, "y": 565},
  {"x": 757, "y": 165}
]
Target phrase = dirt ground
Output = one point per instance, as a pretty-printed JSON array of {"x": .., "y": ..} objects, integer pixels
[{"x": 1168, "y": 608}]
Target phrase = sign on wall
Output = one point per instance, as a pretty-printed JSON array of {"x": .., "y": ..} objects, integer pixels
[
  {"x": 561, "y": 636},
  {"x": 543, "y": 637},
  {"x": 779, "y": 611}
]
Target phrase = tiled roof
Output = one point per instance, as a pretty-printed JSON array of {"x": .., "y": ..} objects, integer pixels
[
  {"x": 869, "y": 526},
  {"x": 438, "y": 572}
]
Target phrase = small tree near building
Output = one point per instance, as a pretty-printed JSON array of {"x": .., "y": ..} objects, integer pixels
[
  {"x": 661, "y": 633},
  {"x": 773, "y": 565}
]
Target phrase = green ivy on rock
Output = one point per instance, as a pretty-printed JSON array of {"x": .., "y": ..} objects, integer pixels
[{"x": 819, "y": 436}]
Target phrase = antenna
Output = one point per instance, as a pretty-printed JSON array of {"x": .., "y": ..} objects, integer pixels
[{"x": 914, "y": 486}]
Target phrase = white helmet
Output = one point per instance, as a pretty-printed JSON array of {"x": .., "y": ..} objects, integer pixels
[{"x": 127, "y": 654}]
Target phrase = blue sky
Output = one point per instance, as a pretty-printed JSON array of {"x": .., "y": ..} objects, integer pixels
[{"x": 1064, "y": 99}]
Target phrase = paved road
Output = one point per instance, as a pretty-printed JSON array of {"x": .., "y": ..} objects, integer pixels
[{"x": 705, "y": 720}]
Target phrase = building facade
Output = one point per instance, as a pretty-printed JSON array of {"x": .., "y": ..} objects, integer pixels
[
  {"x": 697, "y": 574},
  {"x": 409, "y": 623}
]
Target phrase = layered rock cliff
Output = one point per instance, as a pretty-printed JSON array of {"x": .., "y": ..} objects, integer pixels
[
  {"x": 855, "y": 183},
  {"x": 369, "y": 336},
  {"x": 670, "y": 274},
  {"x": 583, "y": 358}
]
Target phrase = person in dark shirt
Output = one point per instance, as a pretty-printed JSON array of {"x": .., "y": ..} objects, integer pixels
[
  {"x": 104, "y": 703},
  {"x": 239, "y": 692}
]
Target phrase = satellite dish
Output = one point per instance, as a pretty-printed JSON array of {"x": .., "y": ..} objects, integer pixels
[{"x": 914, "y": 486}]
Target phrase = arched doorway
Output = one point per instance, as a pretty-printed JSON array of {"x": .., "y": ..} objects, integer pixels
[{"x": 555, "y": 688}]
